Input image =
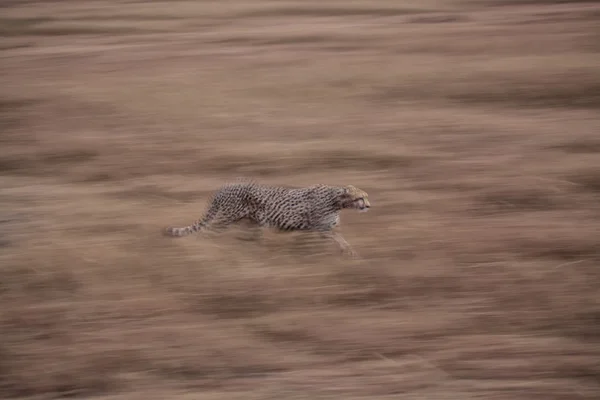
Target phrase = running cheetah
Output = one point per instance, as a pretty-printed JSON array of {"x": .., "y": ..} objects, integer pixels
[{"x": 315, "y": 208}]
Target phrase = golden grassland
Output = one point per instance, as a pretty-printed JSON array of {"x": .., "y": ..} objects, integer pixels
[{"x": 473, "y": 126}]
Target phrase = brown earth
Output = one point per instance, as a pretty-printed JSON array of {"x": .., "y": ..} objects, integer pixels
[{"x": 473, "y": 125}]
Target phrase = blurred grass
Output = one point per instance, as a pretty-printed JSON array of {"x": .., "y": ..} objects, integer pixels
[
  {"x": 476, "y": 139},
  {"x": 42, "y": 26}
]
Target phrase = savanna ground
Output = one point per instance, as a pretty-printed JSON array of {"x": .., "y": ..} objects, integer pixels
[{"x": 473, "y": 125}]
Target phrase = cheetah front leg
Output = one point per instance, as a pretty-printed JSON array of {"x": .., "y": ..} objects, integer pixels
[{"x": 341, "y": 242}]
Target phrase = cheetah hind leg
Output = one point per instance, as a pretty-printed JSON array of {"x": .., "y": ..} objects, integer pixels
[
  {"x": 251, "y": 231},
  {"x": 341, "y": 242},
  {"x": 306, "y": 244}
]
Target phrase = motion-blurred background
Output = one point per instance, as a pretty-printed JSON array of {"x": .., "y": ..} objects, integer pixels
[{"x": 473, "y": 126}]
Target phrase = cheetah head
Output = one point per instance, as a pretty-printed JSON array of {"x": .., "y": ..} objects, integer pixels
[{"x": 356, "y": 198}]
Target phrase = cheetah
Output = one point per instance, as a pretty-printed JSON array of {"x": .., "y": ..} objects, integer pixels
[{"x": 315, "y": 208}]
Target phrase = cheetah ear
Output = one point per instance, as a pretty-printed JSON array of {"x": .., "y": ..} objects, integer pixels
[
  {"x": 348, "y": 194},
  {"x": 354, "y": 193}
]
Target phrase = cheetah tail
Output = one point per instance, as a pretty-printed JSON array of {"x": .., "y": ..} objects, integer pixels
[{"x": 197, "y": 226}]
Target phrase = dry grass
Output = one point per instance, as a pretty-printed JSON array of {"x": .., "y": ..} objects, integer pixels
[{"x": 474, "y": 128}]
